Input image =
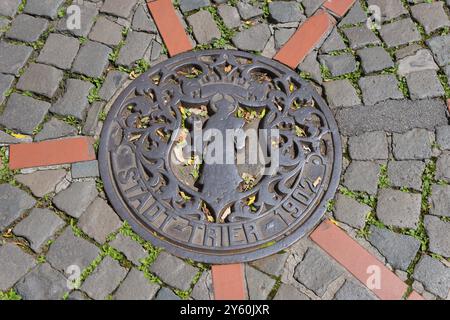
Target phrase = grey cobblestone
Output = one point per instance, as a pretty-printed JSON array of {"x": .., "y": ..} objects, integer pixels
[
  {"x": 114, "y": 80},
  {"x": 443, "y": 167},
  {"x": 6, "y": 82},
  {"x": 229, "y": 15},
  {"x": 43, "y": 283},
  {"x": 354, "y": 16},
  {"x": 132, "y": 250},
  {"x": 414, "y": 144},
  {"x": 69, "y": 249},
  {"x": 310, "y": 66},
  {"x": 334, "y": 42},
  {"x": 375, "y": 59},
  {"x": 399, "y": 250},
  {"x": 252, "y": 39},
  {"x": 27, "y": 28},
  {"x": 105, "y": 278},
  {"x": 400, "y": 32},
  {"x": 285, "y": 11},
  {"x": 352, "y": 291},
  {"x": 75, "y": 199},
  {"x": 173, "y": 271},
  {"x": 360, "y": 37},
  {"x": 420, "y": 61},
  {"x": 334, "y": 89},
  {"x": 142, "y": 20},
  {"x": 190, "y": 5},
  {"x": 119, "y": 8},
  {"x": 44, "y": 8},
  {"x": 13, "y": 57},
  {"x": 424, "y": 84},
  {"x": 287, "y": 292},
  {"x": 88, "y": 14},
  {"x": 86, "y": 169},
  {"x": 350, "y": 211},
  {"x": 54, "y": 129},
  {"x": 203, "y": 289},
  {"x": 379, "y": 88},
  {"x": 443, "y": 137},
  {"x": 59, "y": 51},
  {"x": 92, "y": 59},
  {"x": 99, "y": 220},
  {"x": 339, "y": 65},
  {"x": 272, "y": 265},
  {"x": 397, "y": 208},
  {"x": 39, "y": 227},
  {"x": 369, "y": 146},
  {"x": 166, "y": 294},
  {"x": 390, "y": 9},
  {"x": 14, "y": 264},
  {"x": 362, "y": 176},
  {"x": 106, "y": 31},
  {"x": 74, "y": 102},
  {"x": 204, "y": 27},
  {"x": 431, "y": 16},
  {"x": 317, "y": 271},
  {"x": 438, "y": 231},
  {"x": 136, "y": 287},
  {"x": 406, "y": 174},
  {"x": 434, "y": 276},
  {"x": 439, "y": 46},
  {"x": 9, "y": 8},
  {"x": 440, "y": 200},
  {"x": 42, "y": 182},
  {"x": 90, "y": 125},
  {"x": 40, "y": 79},
  {"x": 135, "y": 48},
  {"x": 14, "y": 202},
  {"x": 259, "y": 284},
  {"x": 248, "y": 11}
]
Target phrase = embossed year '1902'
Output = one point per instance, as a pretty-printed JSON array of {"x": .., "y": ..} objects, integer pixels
[{"x": 220, "y": 212}]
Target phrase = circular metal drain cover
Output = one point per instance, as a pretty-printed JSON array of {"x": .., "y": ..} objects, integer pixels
[{"x": 168, "y": 173}]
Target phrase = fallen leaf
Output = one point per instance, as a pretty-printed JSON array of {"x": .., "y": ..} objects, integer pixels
[{"x": 317, "y": 182}]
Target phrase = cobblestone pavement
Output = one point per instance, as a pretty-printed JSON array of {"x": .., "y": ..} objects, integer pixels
[{"x": 387, "y": 88}]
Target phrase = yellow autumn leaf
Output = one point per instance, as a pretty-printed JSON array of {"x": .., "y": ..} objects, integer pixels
[
  {"x": 291, "y": 87},
  {"x": 251, "y": 200},
  {"x": 18, "y": 135}
]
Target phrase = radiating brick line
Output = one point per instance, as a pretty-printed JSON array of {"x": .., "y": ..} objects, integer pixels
[
  {"x": 304, "y": 40},
  {"x": 339, "y": 7},
  {"x": 169, "y": 26},
  {"x": 53, "y": 152},
  {"x": 228, "y": 282},
  {"x": 359, "y": 262}
]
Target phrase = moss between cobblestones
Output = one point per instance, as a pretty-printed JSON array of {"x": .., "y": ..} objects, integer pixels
[
  {"x": 275, "y": 289},
  {"x": 10, "y": 295},
  {"x": 226, "y": 33},
  {"x": 114, "y": 55},
  {"x": 6, "y": 174}
]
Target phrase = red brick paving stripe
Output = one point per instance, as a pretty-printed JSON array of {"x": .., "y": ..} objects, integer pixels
[
  {"x": 169, "y": 26},
  {"x": 53, "y": 152},
  {"x": 228, "y": 282},
  {"x": 303, "y": 41},
  {"x": 357, "y": 260},
  {"x": 339, "y": 7}
]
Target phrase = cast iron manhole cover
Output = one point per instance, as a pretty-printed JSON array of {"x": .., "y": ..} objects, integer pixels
[{"x": 220, "y": 156}]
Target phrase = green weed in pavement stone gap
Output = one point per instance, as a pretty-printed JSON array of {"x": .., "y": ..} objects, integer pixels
[
  {"x": 10, "y": 295},
  {"x": 6, "y": 174}
]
